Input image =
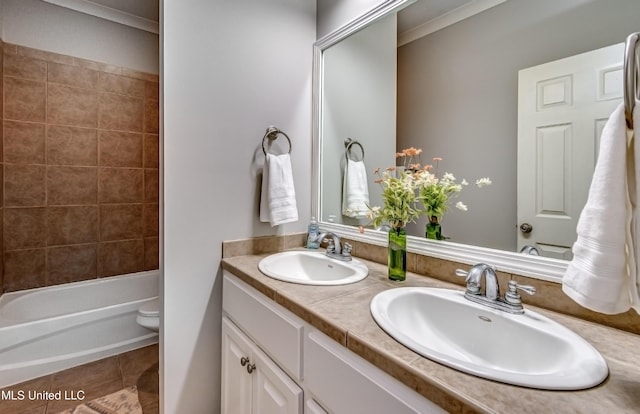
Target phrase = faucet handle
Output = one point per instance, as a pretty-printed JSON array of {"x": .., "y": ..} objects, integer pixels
[
  {"x": 331, "y": 248},
  {"x": 346, "y": 249},
  {"x": 472, "y": 287},
  {"x": 512, "y": 295}
]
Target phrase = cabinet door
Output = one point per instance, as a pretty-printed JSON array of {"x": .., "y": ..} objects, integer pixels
[
  {"x": 236, "y": 382},
  {"x": 273, "y": 391}
]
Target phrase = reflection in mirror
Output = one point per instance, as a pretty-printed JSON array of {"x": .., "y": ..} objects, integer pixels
[{"x": 457, "y": 98}]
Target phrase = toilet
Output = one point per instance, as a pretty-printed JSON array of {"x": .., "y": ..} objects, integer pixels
[{"x": 149, "y": 315}]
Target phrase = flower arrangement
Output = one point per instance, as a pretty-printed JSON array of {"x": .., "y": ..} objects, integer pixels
[
  {"x": 435, "y": 193},
  {"x": 398, "y": 193},
  {"x": 415, "y": 183}
]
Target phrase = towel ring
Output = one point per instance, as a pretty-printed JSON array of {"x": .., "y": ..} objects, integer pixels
[
  {"x": 630, "y": 77},
  {"x": 348, "y": 143},
  {"x": 272, "y": 134}
]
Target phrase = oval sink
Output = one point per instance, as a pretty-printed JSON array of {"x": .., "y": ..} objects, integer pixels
[
  {"x": 312, "y": 268},
  {"x": 529, "y": 350}
]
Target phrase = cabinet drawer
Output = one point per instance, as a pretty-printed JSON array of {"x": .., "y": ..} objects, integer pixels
[
  {"x": 345, "y": 383},
  {"x": 278, "y": 332}
]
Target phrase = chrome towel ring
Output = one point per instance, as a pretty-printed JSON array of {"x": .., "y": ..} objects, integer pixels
[
  {"x": 272, "y": 134},
  {"x": 348, "y": 143},
  {"x": 630, "y": 76}
]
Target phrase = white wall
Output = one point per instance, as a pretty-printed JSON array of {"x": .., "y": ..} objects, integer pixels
[
  {"x": 45, "y": 26},
  {"x": 230, "y": 69}
]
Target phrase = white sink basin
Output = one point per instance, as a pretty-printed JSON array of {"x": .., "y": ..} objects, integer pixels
[
  {"x": 529, "y": 350},
  {"x": 312, "y": 268}
]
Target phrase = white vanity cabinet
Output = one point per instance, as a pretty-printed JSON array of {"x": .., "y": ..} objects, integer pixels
[
  {"x": 291, "y": 367},
  {"x": 251, "y": 382}
]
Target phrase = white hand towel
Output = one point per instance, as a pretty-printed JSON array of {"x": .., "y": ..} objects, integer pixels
[
  {"x": 633, "y": 173},
  {"x": 355, "y": 190},
  {"x": 603, "y": 265},
  {"x": 278, "y": 196}
]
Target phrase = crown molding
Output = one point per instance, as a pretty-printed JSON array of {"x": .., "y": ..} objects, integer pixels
[
  {"x": 107, "y": 13},
  {"x": 447, "y": 19}
]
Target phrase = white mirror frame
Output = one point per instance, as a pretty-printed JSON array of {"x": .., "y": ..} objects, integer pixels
[{"x": 511, "y": 262}]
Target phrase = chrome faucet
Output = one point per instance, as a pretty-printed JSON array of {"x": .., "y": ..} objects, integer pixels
[
  {"x": 335, "y": 249},
  {"x": 511, "y": 302}
]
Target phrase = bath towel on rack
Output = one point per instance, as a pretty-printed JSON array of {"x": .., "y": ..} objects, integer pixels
[
  {"x": 602, "y": 273},
  {"x": 278, "y": 196},
  {"x": 355, "y": 190}
]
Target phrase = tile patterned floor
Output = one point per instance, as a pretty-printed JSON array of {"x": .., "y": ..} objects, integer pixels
[{"x": 95, "y": 379}]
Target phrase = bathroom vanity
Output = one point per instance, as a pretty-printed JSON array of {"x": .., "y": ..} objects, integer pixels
[
  {"x": 316, "y": 349},
  {"x": 264, "y": 350}
]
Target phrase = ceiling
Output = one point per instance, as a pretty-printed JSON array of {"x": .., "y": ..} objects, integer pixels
[
  {"x": 423, "y": 11},
  {"x": 414, "y": 15},
  {"x": 145, "y": 9}
]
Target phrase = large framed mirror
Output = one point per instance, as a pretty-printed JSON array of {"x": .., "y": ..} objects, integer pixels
[{"x": 454, "y": 93}]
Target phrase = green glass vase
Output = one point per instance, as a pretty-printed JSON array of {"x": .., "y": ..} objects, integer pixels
[
  {"x": 433, "y": 229},
  {"x": 397, "y": 251}
]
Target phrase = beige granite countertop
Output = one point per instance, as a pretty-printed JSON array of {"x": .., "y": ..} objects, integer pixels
[{"x": 342, "y": 312}]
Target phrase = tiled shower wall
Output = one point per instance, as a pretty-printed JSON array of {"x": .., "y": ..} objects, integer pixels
[{"x": 80, "y": 169}]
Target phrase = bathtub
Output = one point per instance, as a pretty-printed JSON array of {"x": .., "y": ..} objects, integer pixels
[{"x": 49, "y": 329}]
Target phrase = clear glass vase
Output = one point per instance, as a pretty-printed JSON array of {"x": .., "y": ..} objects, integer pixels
[{"x": 397, "y": 254}]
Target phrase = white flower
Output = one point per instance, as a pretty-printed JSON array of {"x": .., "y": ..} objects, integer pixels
[
  {"x": 448, "y": 177},
  {"x": 461, "y": 206},
  {"x": 482, "y": 182},
  {"x": 464, "y": 182}
]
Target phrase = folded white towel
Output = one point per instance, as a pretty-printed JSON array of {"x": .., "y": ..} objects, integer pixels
[
  {"x": 355, "y": 190},
  {"x": 278, "y": 196},
  {"x": 603, "y": 265},
  {"x": 633, "y": 173}
]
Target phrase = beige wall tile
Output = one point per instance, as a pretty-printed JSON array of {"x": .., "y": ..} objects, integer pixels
[
  {"x": 99, "y": 66},
  {"x": 24, "y": 185},
  {"x": 151, "y": 185},
  {"x": 72, "y": 106},
  {"x": 151, "y": 222},
  {"x": 151, "y": 116},
  {"x": 120, "y": 222},
  {"x": 24, "y": 269},
  {"x": 24, "y": 100},
  {"x": 25, "y": 67},
  {"x": 152, "y": 90},
  {"x": 72, "y": 146},
  {"x": 120, "y": 185},
  {"x": 24, "y": 142},
  {"x": 71, "y": 263},
  {"x": 151, "y": 253},
  {"x": 72, "y": 225},
  {"x": 71, "y": 185},
  {"x": 120, "y": 149},
  {"x": 32, "y": 53},
  {"x": 121, "y": 84},
  {"x": 140, "y": 75},
  {"x": 72, "y": 76},
  {"x": 151, "y": 151},
  {"x": 24, "y": 228},
  {"x": 120, "y": 257},
  {"x": 121, "y": 112}
]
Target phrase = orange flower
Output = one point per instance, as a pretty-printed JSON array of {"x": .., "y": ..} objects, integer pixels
[
  {"x": 427, "y": 167},
  {"x": 377, "y": 170},
  {"x": 390, "y": 169},
  {"x": 412, "y": 152},
  {"x": 437, "y": 159}
]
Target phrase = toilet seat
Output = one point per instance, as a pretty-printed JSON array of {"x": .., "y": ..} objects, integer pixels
[{"x": 149, "y": 314}]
